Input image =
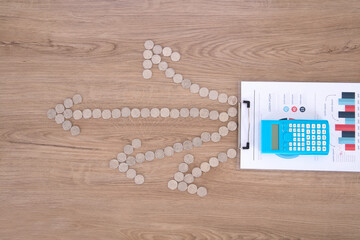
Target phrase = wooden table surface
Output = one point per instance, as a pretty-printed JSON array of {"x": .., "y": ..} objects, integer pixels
[{"x": 56, "y": 186}]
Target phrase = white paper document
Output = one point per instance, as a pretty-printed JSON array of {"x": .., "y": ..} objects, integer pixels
[{"x": 338, "y": 103}]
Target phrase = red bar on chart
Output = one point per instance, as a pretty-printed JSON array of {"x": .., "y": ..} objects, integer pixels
[
  {"x": 344, "y": 127},
  {"x": 349, "y": 108},
  {"x": 349, "y": 147}
]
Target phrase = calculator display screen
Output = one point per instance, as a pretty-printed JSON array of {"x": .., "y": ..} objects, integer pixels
[{"x": 275, "y": 136}]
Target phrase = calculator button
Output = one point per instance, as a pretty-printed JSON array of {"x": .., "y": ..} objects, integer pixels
[
  {"x": 318, "y": 131},
  {"x": 290, "y": 124},
  {"x": 318, "y": 137},
  {"x": 302, "y": 125},
  {"x": 298, "y": 134},
  {"x": 323, "y": 142},
  {"x": 294, "y": 139},
  {"x": 319, "y": 148},
  {"x": 323, "y": 131},
  {"x": 312, "y": 131},
  {"x": 294, "y": 143},
  {"x": 302, "y": 130},
  {"x": 298, "y": 139},
  {"x": 298, "y": 129},
  {"x": 313, "y": 148},
  {"x": 302, "y": 135},
  {"x": 318, "y": 126},
  {"x": 307, "y": 148},
  {"x": 313, "y": 137},
  {"x": 290, "y": 129},
  {"x": 323, "y": 137},
  {"x": 298, "y": 125},
  {"x": 318, "y": 142},
  {"x": 302, "y": 149},
  {"x": 312, "y": 125},
  {"x": 299, "y": 148},
  {"x": 303, "y": 144},
  {"x": 290, "y": 144},
  {"x": 307, "y": 142},
  {"x": 324, "y": 148},
  {"x": 307, "y": 125},
  {"x": 308, "y": 131},
  {"x": 307, "y": 137},
  {"x": 294, "y": 134},
  {"x": 313, "y": 143},
  {"x": 324, "y": 126},
  {"x": 290, "y": 148},
  {"x": 303, "y": 139}
]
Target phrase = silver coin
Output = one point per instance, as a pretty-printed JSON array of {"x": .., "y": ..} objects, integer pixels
[
  {"x": 174, "y": 113},
  {"x": 136, "y": 143},
  {"x": 164, "y": 112},
  {"x": 59, "y": 108},
  {"x": 77, "y": 114},
  {"x": 149, "y": 44},
  {"x": 192, "y": 189},
  {"x": 201, "y": 192},
  {"x": 96, "y": 113},
  {"x": 188, "y": 158},
  {"x": 135, "y": 113},
  {"x": 128, "y": 149},
  {"x": 215, "y": 137},
  {"x": 194, "y": 88},
  {"x": 205, "y": 167},
  {"x": 205, "y": 137},
  {"x": 222, "y": 98},
  {"x": 130, "y": 161},
  {"x": 187, "y": 145},
  {"x": 106, "y": 114},
  {"x": 145, "y": 113},
  {"x": 67, "y": 125},
  {"x": 147, "y": 74},
  {"x": 196, "y": 142},
  {"x": 194, "y": 112},
  {"x": 68, "y": 103},
  {"x": 125, "y": 112},
  {"x": 121, "y": 157},
  {"x": 168, "y": 151},
  {"x": 147, "y": 54},
  {"x": 204, "y": 113},
  {"x": 139, "y": 179},
  {"x": 223, "y": 131},
  {"x": 222, "y": 157},
  {"x": 123, "y": 167},
  {"x": 75, "y": 130},
  {"x": 115, "y": 113},
  {"x": 203, "y": 92},
  {"x": 68, "y": 113},
  {"x": 51, "y": 113},
  {"x": 184, "y": 112},
  {"x": 157, "y": 49},
  {"x": 214, "y": 162},
  {"x": 169, "y": 72},
  {"x": 131, "y": 173},
  {"x": 196, "y": 172},
  {"x": 77, "y": 99},
  {"x": 232, "y": 126},
  {"x": 163, "y": 66},
  {"x": 214, "y": 115},
  {"x": 87, "y": 113},
  {"x": 156, "y": 59},
  {"x": 223, "y": 117},
  {"x": 175, "y": 56},
  {"x": 159, "y": 154},
  {"x": 140, "y": 158},
  {"x": 177, "y": 78},
  {"x": 155, "y": 112},
  {"x": 113, "y": 164},
  {"x": 183, "y": 167},
  {"x": 178, "y": 147},
  {"x": 189, "y": 178},
  {"x": 232, "y": 112},
  {"x": 232, "y": 100},
  {"x": 213, "y": 94},
  {"x": 179, "y": 176},
  {"x": 147, "y": 64},
  {"x": 59, "y": 118},
  {"x": 231, "y": 153},
  {"x": 149, "y": 156},
  {"x": 186, "y": 83},
  {"x": 166, "y": 51},
  {"x": 182, "y": 186},
  {"x": 172, "y": 184}
]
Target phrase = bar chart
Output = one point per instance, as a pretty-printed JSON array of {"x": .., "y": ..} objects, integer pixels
[{"x": 347, "y": 127}]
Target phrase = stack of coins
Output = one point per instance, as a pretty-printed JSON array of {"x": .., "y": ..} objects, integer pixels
[{"x": 62, "y": 114}]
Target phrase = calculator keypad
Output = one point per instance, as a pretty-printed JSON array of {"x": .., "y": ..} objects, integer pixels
[{"x": 306, "y": 137}]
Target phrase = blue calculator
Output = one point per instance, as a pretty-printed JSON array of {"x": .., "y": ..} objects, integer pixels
[{"x": 295, "y": 137}]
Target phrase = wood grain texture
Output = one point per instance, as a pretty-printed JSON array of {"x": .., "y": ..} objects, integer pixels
[{"x": 55, "y": 186}]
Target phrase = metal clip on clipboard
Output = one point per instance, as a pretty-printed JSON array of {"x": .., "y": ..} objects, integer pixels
[{"x": 247, "y": 146}]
